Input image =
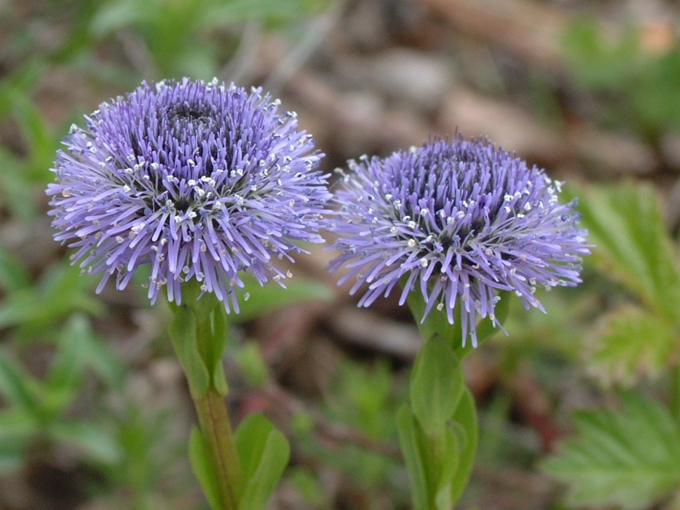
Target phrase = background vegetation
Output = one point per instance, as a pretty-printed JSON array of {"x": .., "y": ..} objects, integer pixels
[{"x": 579, "y": 407}]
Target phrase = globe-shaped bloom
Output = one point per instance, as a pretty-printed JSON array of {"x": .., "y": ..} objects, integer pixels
[
  {"x": 457, "y": 221},
  {"x": 199, "y": 180}
]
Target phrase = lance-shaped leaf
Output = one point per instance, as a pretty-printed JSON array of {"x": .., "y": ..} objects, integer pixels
[
  {"x": 628, "y": 458},
  {"x": 264, "y": 453},
  {"x": 436, "y": 384},
  {"x": 199, "y": 455}
]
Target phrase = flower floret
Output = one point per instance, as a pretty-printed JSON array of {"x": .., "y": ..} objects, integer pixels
[
  {"x": 199, "y": 180},
  {"x": 457, "y": 221}
]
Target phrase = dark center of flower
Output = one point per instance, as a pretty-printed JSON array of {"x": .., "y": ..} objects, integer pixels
[
  {"x": 190, "y": 113},
  {"x": 182, "y": 204}
]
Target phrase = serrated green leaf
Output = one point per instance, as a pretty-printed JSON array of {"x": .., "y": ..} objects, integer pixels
[
  {"x": 270, "y": 297},
  {"x": 436, "y": 384},
  {"x": 631, "y": 343},
  {"x": 626, "y": 225},
  {"x": 264, "y": 453},
  {"x": 628, "y": 458},
  {"x": 199, "y": 456}
]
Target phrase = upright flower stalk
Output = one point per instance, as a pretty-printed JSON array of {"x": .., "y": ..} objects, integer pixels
[
  {"x": 201, "y": 182},
  {"x": 459, "y": 226}
]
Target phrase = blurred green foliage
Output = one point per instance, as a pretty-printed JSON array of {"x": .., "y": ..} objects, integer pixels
[
  {"x": 637, "y": 88},
  {"x": 622, "y": 456},
  {"x": 43, "y": 407},
  {"x": 628, "y": 457}
]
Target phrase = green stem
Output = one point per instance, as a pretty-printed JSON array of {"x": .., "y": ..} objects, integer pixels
[
  {"x": 198, "y": 333},
  {"x": 216, "y": 429}
]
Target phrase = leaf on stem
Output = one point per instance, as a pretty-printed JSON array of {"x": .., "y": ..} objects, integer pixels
[
  {"x": 199, "y": 456},
  {"x": 183, "y": 335},
  {"x": 410, "y": 441},
  {"x": 264, "y": 453},
  {"x": 436, "y": 384},
  {"x": 466, "y": 427},
  {"x": 437, "y": 324}
]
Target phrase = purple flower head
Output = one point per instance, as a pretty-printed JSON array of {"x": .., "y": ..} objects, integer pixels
[
  {"x": 458, "y": 221},
  {"x": 196, "y": 179}
]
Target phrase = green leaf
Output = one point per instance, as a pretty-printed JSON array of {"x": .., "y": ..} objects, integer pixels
[
  {"x": 436, "y": 323},
  {"x": 448, "y": 463},
  {"x": 91, "y": 438},
  {"x": 102, "y": 359},
  {"x": 17, "y": 386},
  {"x": 281, "y": 10},
  {"x": 199, "y": 455},
  {"x": 270, "y": 297},
  {"x": 467, "y": 429},
  {"x": 17, "y": 190},
  {"x": 220, "y": 331},
  {"x": 66, "y": 370},
  {"x": 252, "y": 364},
  {"x": 597, "y": 61},
  {"x": 22, "y": 79},
  {"x": 12, "y": 456},
  {"x": 13, "y": 274},
  {"x": 629, "y": 458},
  {"x": 210, "y": 331},
  {"x": 37, "y": 136},
  {"x": 626, "y": 225},
  {"x": 436, "y": 384},
  {"x": 631, "y": 343},
  {"x": 411, "y": 442},
  {"x": 183, "y": 335},
  {"x": 121, "y": 14},
  {"x": 61, "y": 291},
  {"x": 18, "y": 430},
  {"x": 486, "y": 327},
  {"x": 264, "y": 453},
  {"x": 17, "y": 425}
]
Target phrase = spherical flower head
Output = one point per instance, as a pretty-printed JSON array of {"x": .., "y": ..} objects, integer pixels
[
  {"x": 199, "y": 180},
  {"x": 457, "y": 221}
]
